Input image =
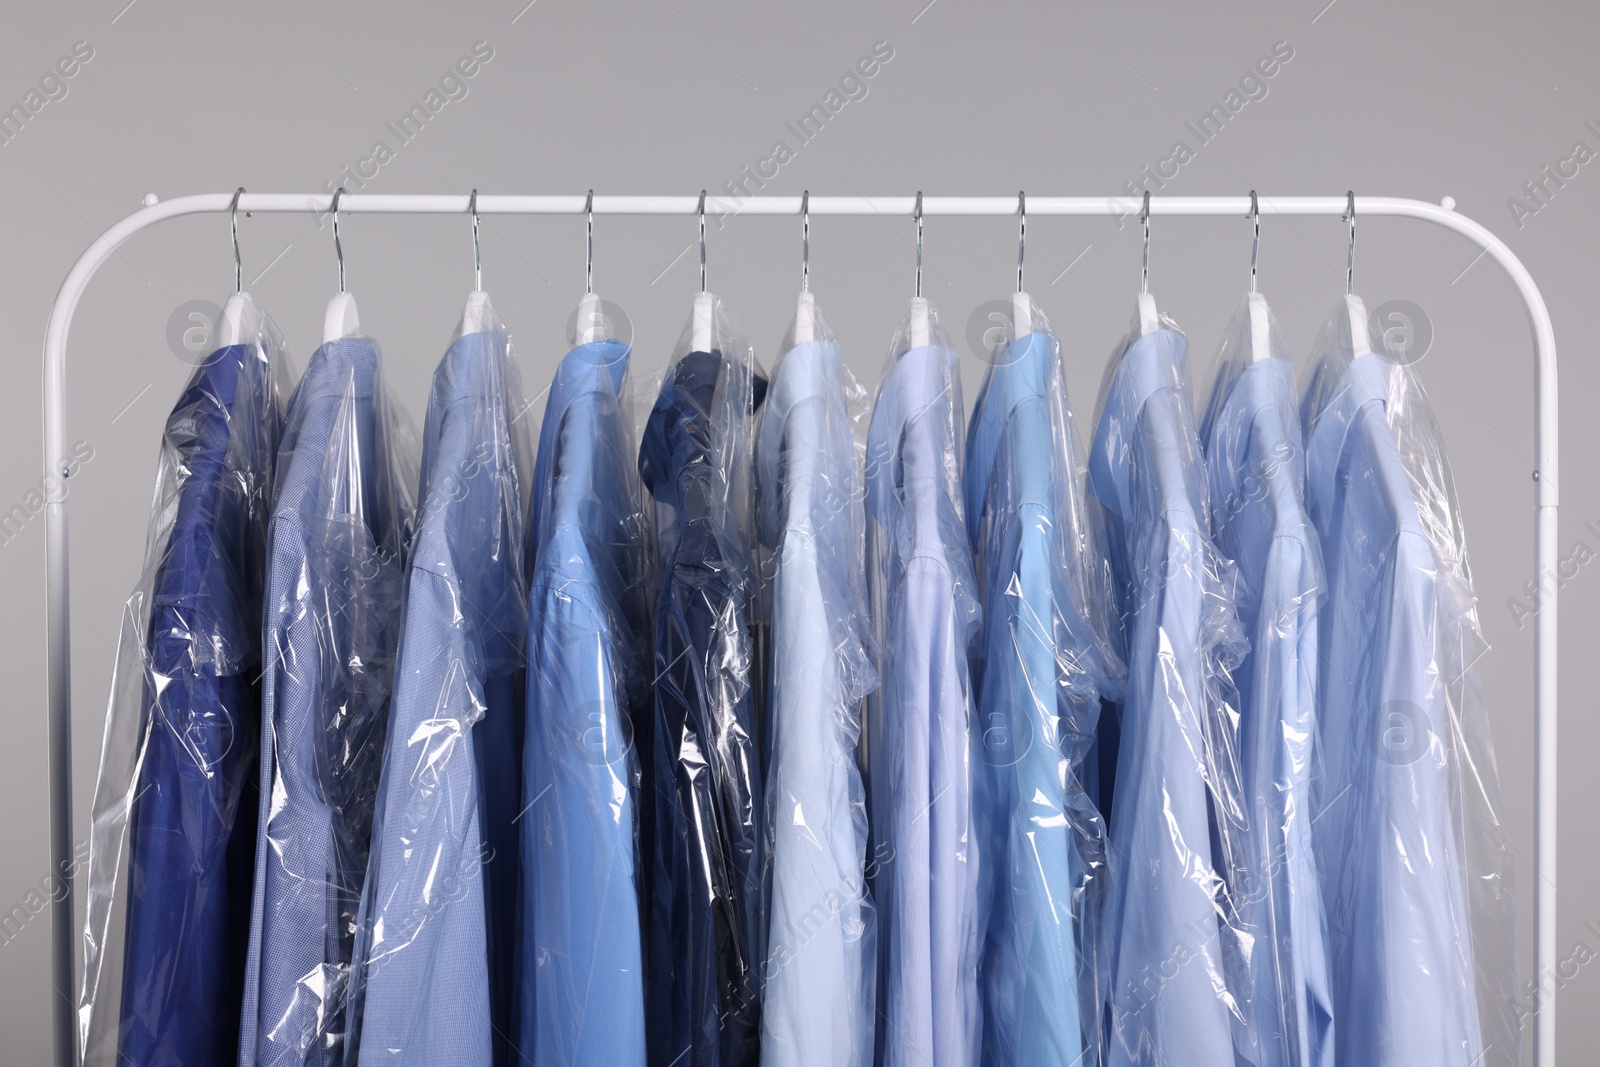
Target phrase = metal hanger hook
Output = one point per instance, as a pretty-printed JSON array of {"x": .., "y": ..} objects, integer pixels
[
  {"x": 1144, "y": 270},
  {"x": 1255, "y": 245},
  {"x": 477, "y": 257},
  {"x": 338, "y": 248},
  {"x": 233, "y": 221},
  {"x": 1022, "y": 233},
  {"x": 1350, "y": 261},
  {"x": 702, "y": 240},
  {"x": 805, "y": 241},
  {"x": 588, "y": 257},
  {"x": 917, "y": 214}
]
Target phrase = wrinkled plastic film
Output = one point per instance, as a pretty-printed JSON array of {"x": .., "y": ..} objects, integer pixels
[
  {"x": 1410, "y": 832},
  {"x": 437, "y": 932},
  {"x": 337, "y": 546},
  {"x": 924, "y": 858},
  {"x": 1043, "y": 665},
  {"x": 1255, "y": 465},
  {"x": 1173, "y": 945},
  {"x": 821, "y": 953},
  {"x": 582, "y": 976},
  {"x": 172, "y": 831},
  {"x": 703, "y": 784}
]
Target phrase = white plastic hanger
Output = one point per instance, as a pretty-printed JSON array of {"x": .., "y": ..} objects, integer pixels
[
  {"x": 1260, "y": 344},
  {"x": 921, "y": 331},
  {"x": 1360, "y": 340},
  {"x": 700, "y": 339},
  {"x": 477, "y": 315},
  {"x": 805, "y": 312},
  {"x": 1021, "y": 303},
  {"x": 1149, "y": 321},
  {"x": 240, "y": 322},
  {"x": 341, "y": 319},
  {"x": 591, "y": 320}
]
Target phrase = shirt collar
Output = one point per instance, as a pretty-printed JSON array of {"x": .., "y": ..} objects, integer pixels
[
  {"x": 346, "y": 367},
  {"x": 681, "y": 425},
  {"x": 1359, "y": 405},
  {"x": 1364, "y": 383},
  {"x": 562, "y": 479},
  {"x": 1021, "y": 372},
  {"x": 1151, "y": 363},
  {"x": 467, "y": 371},
  {"x": 808, "y": 373},
  {"x": 916, "y": 397}
]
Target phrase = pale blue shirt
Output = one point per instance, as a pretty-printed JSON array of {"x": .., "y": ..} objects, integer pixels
[
  {"x": 1176, "y": 812},
  {"x": 821, "y": 958},
  {"x": 1257, "y": 477},
  {"x": 925, "y": 856},
  {"x": 335, "y": 553},
  {"x": 1044, "y": 671},
  {"x": 1393, "y": 875},
  {"x": 437, "y": 915}
]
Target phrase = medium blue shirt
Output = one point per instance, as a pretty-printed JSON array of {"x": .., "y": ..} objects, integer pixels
[
  {"x": 192, "y": 824},
  {"x": 582, "y": 994},
  {"x": 1386, "y": 836},
  {"x": 704, "y": 782},
  {"x": 925, "y": 851},
  {"x": 1176, "y": 815},
  {"x": 821, "y": 959},
  {"x": 1256, "y": 467},
  {"x": 438, "y": 930},
  {"x": 334, "y": 574},
  {"x": 1044, "y": 670}
]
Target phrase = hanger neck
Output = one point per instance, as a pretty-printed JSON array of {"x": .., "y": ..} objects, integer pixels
[
  {"x": 1260, "y": 335},
  {"x": 341, "y": 320}
]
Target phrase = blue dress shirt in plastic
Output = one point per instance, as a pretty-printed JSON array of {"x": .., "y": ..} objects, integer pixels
[
  {"x": 1176, "y": 816},
  {"x": 1385, "y": 831},
  {"x": 925, "y": 856},
  {"x": 1043, "y": 671},
  {"x": 707, "y": 940},
  {"x": 334, "y": 558},
  {"x": 582, "y": 987},
  {"x": 1257, "y": 478},
  {"x": 438, "y": 929},
  {"x": 192, "y": 826},
  {"x": 821, "y": 964}
]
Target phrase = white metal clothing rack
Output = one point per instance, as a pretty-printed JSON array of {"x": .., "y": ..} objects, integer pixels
[{"x": 1544, "y": 474}]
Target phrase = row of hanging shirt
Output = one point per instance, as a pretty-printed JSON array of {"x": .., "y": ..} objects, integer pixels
[{"x": 1180, "y": 761}]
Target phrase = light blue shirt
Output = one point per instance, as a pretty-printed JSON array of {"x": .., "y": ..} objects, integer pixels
[
  {"x": 338, "y": 534},
  {"x": 1386, "y": 838},
  {"x": 924, "y": 855},
  {"x": 582, "y": 994},
  {"x": 1257, "y": 477},
  {"x": 1044, "y": 670},
  {"x": 438, "y": 925},
  {"x": 1176, "y": 813},
  {"x": 821, "y": 960}
]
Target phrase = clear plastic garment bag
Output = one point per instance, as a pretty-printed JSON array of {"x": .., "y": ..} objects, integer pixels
[
  {"x": 1409, "y": 831},
  {"x": 1176, "y": 810},
  {"x": 821, "y": 963},
  {"x": 589, "y": 682},
  {"x": 925, "y": 852},
  {"x": 173, "y": 827},
  {"x": 1043, "y": 665},
  {"x": 437, "y": 933},
  {"x": 341, "y": 524},
  {"x": 703, "y": 781},
  {"x": 1255, "y": 465}
]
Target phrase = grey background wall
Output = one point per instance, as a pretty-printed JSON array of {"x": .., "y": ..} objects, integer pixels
[{"x": 1420, "y": 98}]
